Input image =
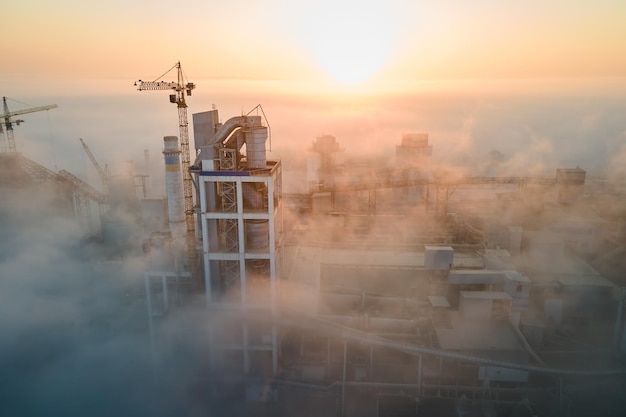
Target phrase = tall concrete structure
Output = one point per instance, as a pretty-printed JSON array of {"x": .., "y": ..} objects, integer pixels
[
  {"x": 323, "y": 162},
  {"x": 413, "y": 162},
  {"x": 241, "y": 223}
]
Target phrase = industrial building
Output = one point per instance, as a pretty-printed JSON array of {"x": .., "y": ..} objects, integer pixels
[{"x": 382, "y": 290}]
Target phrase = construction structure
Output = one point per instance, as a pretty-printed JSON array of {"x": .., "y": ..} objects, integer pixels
[
  {"x": 8, "y": 144},
  {"x": 382, "y": 287},
  {"x": 167, "y": 277},
  {"x": 241, "y": 223},
  {"x": 180, "y": 89},
  {"x": 79, "y": 194},
  {"x": 103, "y": 173}
]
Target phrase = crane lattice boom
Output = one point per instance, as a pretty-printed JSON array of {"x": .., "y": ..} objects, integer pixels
[
  {"x": 25, "y": 111},
  {"x": 104, "y": 173},
  {"x": 156, "y": 85}
]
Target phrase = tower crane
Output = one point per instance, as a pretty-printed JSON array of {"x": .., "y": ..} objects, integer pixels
[
  {"x": 179, "y": 89},
  {"x": 104, "y": 173},
  {"x": 6, "y": 120}
]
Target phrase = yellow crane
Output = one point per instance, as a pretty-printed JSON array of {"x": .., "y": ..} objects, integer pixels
[
  {"x": 179, "y": 90},
  {"x": 6, "y": 121}
]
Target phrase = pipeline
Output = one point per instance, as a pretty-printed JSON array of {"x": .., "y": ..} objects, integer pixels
[{"x": 232, "y": 124}]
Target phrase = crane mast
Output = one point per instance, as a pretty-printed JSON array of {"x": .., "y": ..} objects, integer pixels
[
  {"x": 180, "y": 89},
  {"x": 6, "y": 120}
]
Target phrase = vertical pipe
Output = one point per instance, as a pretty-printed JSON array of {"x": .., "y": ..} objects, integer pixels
[
  {"x": 328, "y": 355},
  {"x": 246, "y": 353},
  {"x": 211, "y": 351},
  {"x": 275, "y": 348},
  {"x": 165, "y": 295},
  {"x": 205, "y": 238},
  {"x": 271, "y": 242},
  {"x": 618, "y": 319},
  {"x": 560, "y": 395},
  {"x": 242, "y": 242},
  {"x": 371, "y": 373},
  {"x": 150, "y": 324},
  {"x": 419, "y": 375},
  {"x": 343, "y": 383}
]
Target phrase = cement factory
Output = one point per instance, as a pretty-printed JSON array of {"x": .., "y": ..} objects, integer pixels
[{"x": 362, "y": 287}]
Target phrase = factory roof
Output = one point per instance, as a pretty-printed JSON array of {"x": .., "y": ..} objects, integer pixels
[
  {"x": 438, "y": 301},
  {"x": 478, "y": 335},
  {"x": 437, "y": 247},
  {"x": 588, "y": 280},
  {"x": 516, "y": 276},
  {"x": 305, "y": 261},
  {"x": 571, "y": 268},
  {"x": 484, "y": 276},
  {"x": 486, "y": 295},
  {"x": 481, "y": 276}
]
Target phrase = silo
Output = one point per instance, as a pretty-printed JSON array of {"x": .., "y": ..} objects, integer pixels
[
  {"x": 255, "y": 147},
  {"x": 257, "y": 234},
  {"x": 256, "y": 230},
  {"x": 174, "y": 187}
]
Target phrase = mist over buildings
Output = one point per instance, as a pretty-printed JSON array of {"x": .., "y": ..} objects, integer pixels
[
  {"x": 535, "y": 126},
  {"x": 73, "y": 336},
  {"x": 75, "y": 333}
]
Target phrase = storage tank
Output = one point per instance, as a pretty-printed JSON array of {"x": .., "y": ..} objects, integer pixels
[
  {"x": 254, "y": 196},
  {"x": 255, "y": 147},
  {"x": 257, "y": 234}
]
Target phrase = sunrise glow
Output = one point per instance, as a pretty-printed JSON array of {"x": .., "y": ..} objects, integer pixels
[{"x": 350, "y": 41}]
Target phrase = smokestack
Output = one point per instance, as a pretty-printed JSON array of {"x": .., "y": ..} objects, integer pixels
[{"x": 174, "y": 187}]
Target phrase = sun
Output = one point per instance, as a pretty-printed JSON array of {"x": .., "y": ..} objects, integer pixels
[{"x": 350, "y": 40}]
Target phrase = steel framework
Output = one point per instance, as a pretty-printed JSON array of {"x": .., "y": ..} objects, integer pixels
[{"x": 180, "y": 89}]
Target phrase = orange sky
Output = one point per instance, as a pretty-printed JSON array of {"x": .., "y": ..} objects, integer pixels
[{"x": 343, "y": 42}]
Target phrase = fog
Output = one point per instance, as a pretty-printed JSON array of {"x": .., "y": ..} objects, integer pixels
[
  {"x": 537, "y": 125},
  {"x": 75, "y": 338},
  {"x": 74, "y": 331}
]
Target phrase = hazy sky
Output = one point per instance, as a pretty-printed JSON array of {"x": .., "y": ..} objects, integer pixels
[
  {"x": 541, "y": 81},
  {"x": 342, "y": 40}
]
